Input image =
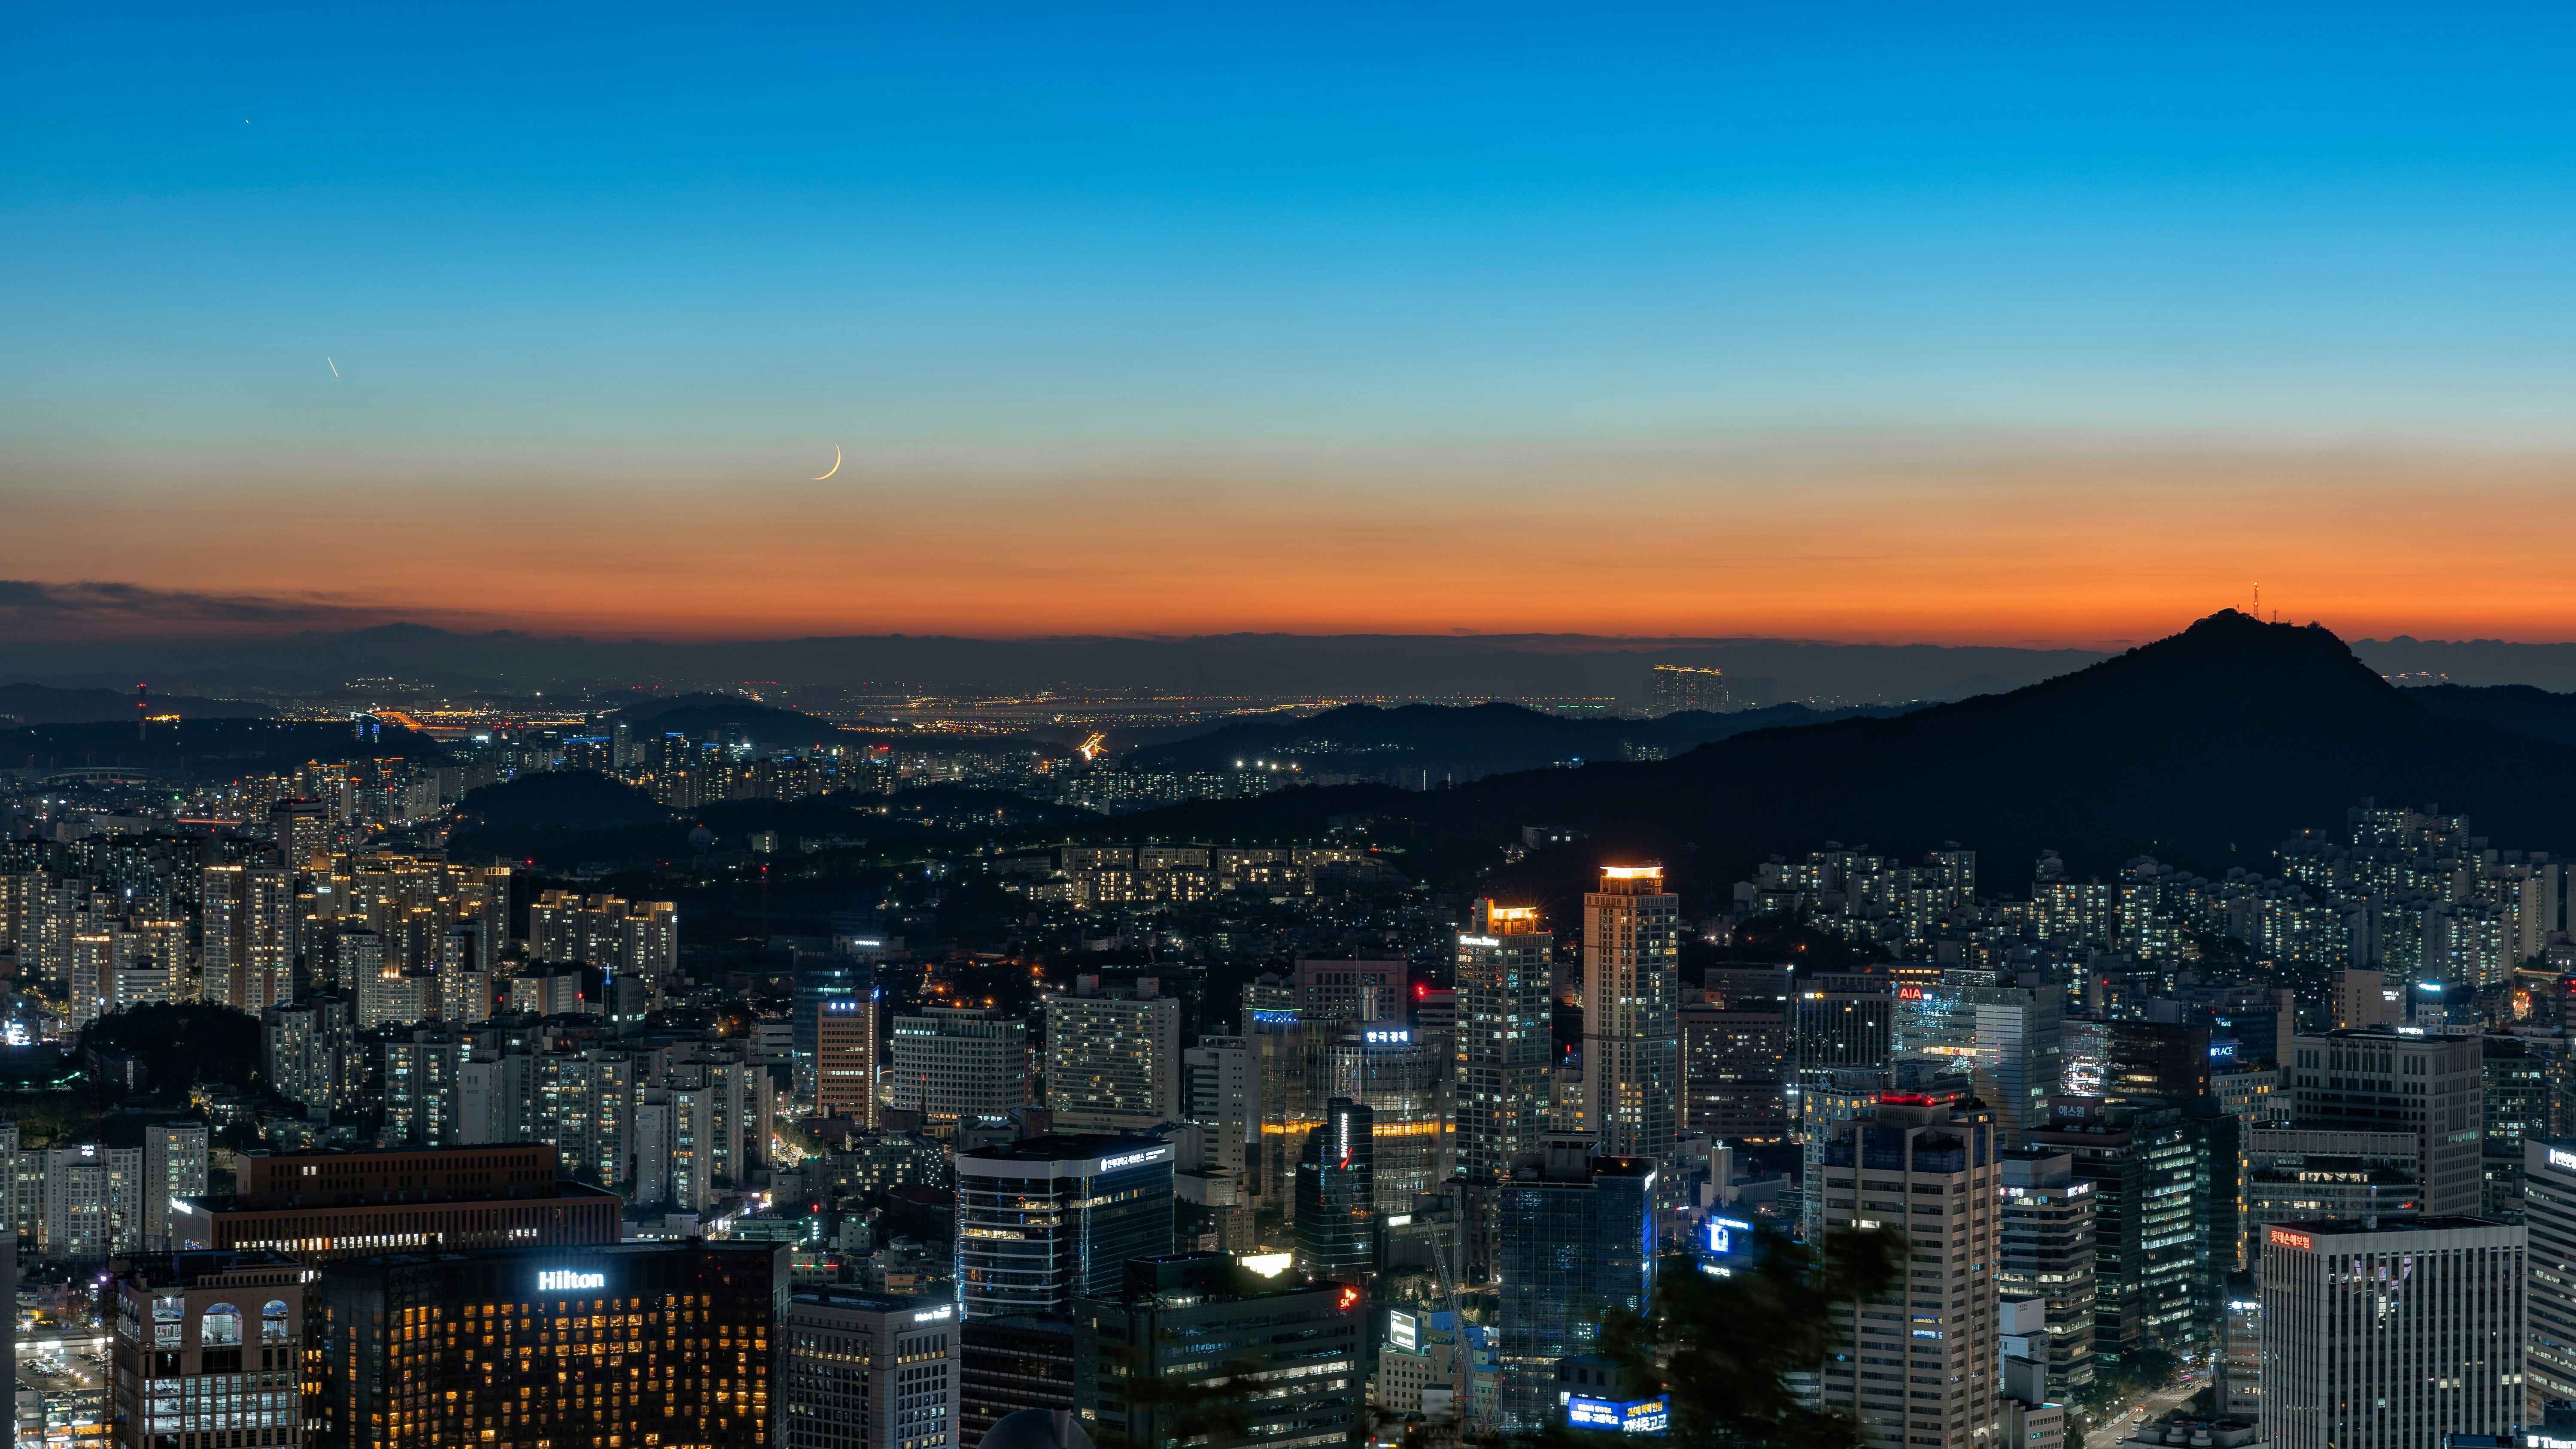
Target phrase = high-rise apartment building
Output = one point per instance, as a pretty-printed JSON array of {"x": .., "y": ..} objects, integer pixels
[
  {"x": 2391, "y": 1334},
  {"x": 957, "y": 1065},
  {"x": 2431, "y": 1086},
  {"x": 1672, "y": 688},
  {"x": 1632, "y": 1076},
  {"x": 1113, "y": 1061},
  {"x": 174, "y": 1167},
  {"x": 1044, "y": 1220},
  {"x": 1924, "y": 1164},
  {"x": 868, "y": 1371},
  {"x": 247, "y": 925},
  {"x": 1577, "y": 1240},
  {"x": 1503, "y": 1047}
]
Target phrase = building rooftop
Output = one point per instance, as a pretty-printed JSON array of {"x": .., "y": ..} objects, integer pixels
[
  {"x": 2356, "y": 1226},
  {"x": 1062, "y": 1146}
]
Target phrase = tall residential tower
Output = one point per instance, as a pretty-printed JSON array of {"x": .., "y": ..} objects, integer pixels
[{"x": 1632, "y": 1069}]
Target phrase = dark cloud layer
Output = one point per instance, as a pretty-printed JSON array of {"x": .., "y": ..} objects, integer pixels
[{"x": 106, "y": 606}]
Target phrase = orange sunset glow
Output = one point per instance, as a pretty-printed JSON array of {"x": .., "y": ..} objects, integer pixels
[{"x": 1945, "y": 541}]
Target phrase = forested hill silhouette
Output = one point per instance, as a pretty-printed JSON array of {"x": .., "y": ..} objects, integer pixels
[{"x": 2206, "y": 748}]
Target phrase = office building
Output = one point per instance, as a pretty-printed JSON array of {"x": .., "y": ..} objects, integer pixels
[
  {"x": 868, "y": 1371},
  {"x": 1503, "y": 1048},
  {"x": 2391, "y": 1334},
  {"x": 1632, "y": 1077},
  {"x": 321, "y": 1206},
  {"x": 1337, "y": 1213},
  {"x": 1927, "y": 1162},
  {"x": 1355, "y": 993},
  {"x": 2140, "y": 1159},
  {"x": 845, "y": 1058},
  {"x": 957, "y": 1065},
  {"x": 1221, "y": 1091},
  {"x": 2431, "y": 1086},
  {"x": 1183, "y": 1330},
  {"x": 2016, "y": 1035},
  {"x": 2046, "y": 1228},
  {"x": 2549, "y": 1215},
  {"x": 1404, "y": 1082},
  {"x": 2167, "y": 1061},
  {"x": 2294, "y": 1173},
  {"x": 1044, "y": 1220},
  {"x": 1577, "y": 1239},
  {"x": 636, "y": 1343},
  {"x": 821, "y": 981},
  {"x": 1113, "y": 1062},
  {"x": 2516, "y": 1077},
  {"x": 1737, "y": 1062},
  {"x": 1290, "y": 1068},
  {"x": 207, "y": 1350},
  {"x": 1019, "y": 1361}
]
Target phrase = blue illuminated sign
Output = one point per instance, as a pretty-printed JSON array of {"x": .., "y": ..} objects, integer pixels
[
  {"x": 1275, "y": 1018},
  {"x": 1633, "y": 1416},
  {"x": 2222, "y": 1050}
]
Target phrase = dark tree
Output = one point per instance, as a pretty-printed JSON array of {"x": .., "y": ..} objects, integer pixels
[
  {"x": 1723, "y": 1348},
  {"x": 182, "y": 1044}
]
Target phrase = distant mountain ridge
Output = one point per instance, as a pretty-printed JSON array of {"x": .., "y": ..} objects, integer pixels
[
  {"x": 1472, "y": 666},
  {"x": 1441, "y": 743},
  {"x": 2207, "y": 748},
  {"x": 37, "y": 704}
]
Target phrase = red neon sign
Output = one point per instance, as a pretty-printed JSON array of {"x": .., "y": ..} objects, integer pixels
[{"x": 2288, "y": 1239}]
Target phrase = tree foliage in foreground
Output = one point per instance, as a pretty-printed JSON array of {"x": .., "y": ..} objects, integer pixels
[{"x": 1723, "y": 1348}]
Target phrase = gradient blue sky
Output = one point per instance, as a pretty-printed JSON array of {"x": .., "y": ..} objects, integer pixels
[{"x": 1080, "y": 263}]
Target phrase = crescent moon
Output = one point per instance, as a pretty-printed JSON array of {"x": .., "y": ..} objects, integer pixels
[{"x": 836, "y": 464}]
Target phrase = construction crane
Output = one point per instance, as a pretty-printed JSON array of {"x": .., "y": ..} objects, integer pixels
[{"x": 1461, "y": 1359}]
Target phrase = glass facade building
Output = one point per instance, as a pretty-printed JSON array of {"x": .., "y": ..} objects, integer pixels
[{"x": 1044, "y": 1220}]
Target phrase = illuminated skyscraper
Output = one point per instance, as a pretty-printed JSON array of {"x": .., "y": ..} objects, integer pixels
[
  {"x": 1405, "y": 1085},
  {"x": 845, "y": 1058},
  {"x": 1924, "y": 1164},
  {"x": 953, "y": 1064},
  {"x": 1113, "y": 1061},
  {"x": 1502, "y": 1039},
  {"x": 648, "y": 1343},
  {"x": 1632, "y": 1073},
  {"x": 1336, "y": 1196},
  {"x": 1578, "y": 1240}
]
